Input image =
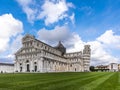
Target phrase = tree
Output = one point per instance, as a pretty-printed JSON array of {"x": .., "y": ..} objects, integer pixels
[{"x": 92, "y": 68}]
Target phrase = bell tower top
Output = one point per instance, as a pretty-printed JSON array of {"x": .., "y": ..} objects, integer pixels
[
  {"x": 28, "y": 37},
  {"x": 87, "y": 49}
]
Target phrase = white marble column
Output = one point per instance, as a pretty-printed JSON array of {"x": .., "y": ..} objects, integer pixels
[
  {"x": 43, "y": 66},
  {"x": 47, "y": 64},
  {"x": 52, "y": 67},
  {"x": 40, "y": 64},
  {"x": 31, "y": 66},
  {"x": 17, "y": 66},
  {"x": 67, "y": 67},
  {"x": 24, "y": 67}
]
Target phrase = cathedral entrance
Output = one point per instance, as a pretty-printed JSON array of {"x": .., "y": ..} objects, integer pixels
[
  {"x": 75, "y": 69},
  {"x": 35, "y": 68},
  {"x": 20, "y": 69},
  {"x": 28, "y": 68}
]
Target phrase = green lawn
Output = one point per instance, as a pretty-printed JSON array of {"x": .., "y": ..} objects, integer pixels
[{"x": 61, "y": 81}]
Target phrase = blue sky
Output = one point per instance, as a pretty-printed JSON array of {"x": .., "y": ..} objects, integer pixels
[{"x": 74, "y": 22}]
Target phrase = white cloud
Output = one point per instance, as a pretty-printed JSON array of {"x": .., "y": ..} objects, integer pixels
[
  {"x": 72, "y": 18},
  {"x": 100, "y": 47},
  {"x": 50, "y": 11},
  {"x": 87, "y": 10},
  {"x": 99, "y": 54},
  {"x": 3, "y": 45},
  {"x": 58, "y": 34},
  {"x": 76, "y": 42},
  {"x": 110, "y": 39},
  {"x": 30, "y": 11},
  {"x": 9, "y": 27},
  {"x": 50, "y": 36},
  {"x": 16, "y": 44},
  {"x": 71, "y": 5}
]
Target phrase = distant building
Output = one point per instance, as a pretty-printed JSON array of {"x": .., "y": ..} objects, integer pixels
[
  {"x": 119, "y": 67},
  {"x": 36, "y": 56},
  {"x": 102, "y": 68},
  {"x": 6, "y": 68},
  {"x": 113, "y": 67}
]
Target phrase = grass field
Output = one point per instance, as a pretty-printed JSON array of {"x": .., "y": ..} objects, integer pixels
[{"x": 61, "y": 81}]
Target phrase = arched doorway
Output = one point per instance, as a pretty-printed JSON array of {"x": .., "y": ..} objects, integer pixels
[
  {"x": 75, "y": 69},
  {"x": 28, "y": 68},
  {"x": 35, "y": 68},
  {"x": 20, "y": 69}
]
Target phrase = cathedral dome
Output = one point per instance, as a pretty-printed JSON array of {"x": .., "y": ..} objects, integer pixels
[{"x": 61, "y": 48}]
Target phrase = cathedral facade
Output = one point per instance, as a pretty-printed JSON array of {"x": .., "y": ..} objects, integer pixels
[{"x": 36, "y": 56}]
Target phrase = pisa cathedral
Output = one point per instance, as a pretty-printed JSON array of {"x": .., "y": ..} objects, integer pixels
[{"x": 36, "y": 56}]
